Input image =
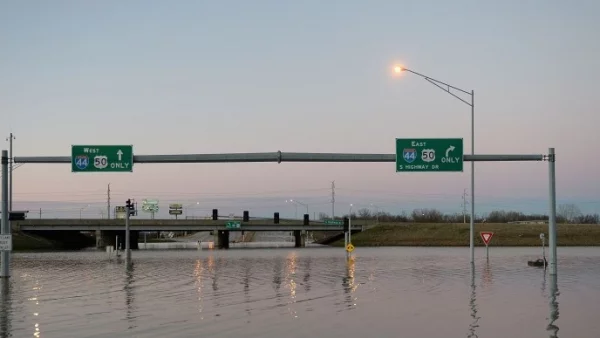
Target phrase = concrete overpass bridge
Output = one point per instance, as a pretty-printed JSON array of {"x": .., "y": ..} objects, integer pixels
[{"x": 107, "y": 230}]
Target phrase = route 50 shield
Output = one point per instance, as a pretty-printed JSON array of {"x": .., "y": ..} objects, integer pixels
[
  {"x": 409, "y": 154},
  {"x": 100, "y": 162},
  {"x": 428, "y": 155}
]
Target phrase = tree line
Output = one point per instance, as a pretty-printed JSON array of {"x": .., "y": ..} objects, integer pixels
[{"x": 565, "y": 213}]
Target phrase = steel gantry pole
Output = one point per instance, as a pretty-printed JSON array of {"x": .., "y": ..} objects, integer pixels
[
  {"x": 11, "y": 162},
  {"x": 5, "y": 230},
  {"x": 552, "y": 214},
  {"x": 279, "y": 157},
  {"x": 448, "y": 89}
]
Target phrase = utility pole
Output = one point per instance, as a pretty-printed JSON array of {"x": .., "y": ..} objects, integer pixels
[
  {"x": 333, "y": 200},
  {"x": 464, "y": 205},
  {"x": 10, "y": 170},
  {"x": 108, "y": 203}
]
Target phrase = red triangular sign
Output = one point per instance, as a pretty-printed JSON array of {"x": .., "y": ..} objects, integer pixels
[{"x": 486, "y": 237}]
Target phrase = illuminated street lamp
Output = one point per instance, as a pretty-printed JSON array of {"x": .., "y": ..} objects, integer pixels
[
  {"x": 81, "y": 209},
  {"x": 298, "y": 202},
  {"x": 448, "y": 89}
]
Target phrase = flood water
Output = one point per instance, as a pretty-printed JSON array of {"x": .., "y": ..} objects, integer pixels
[{"x": 382, "y": 292}]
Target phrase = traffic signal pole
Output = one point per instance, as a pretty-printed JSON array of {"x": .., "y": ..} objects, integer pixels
[
  {"x": 129, "y": 210},
  {"x": 127, "y": 246}
]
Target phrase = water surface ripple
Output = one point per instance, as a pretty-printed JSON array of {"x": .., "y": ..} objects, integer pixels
[{"x": 381, "y": 292}]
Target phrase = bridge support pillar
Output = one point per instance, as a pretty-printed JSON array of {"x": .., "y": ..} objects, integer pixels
[
  {"x": 222, "y": 239},
  {"x": 109, "y": 238},
  {"x": 100, "y": 240},
  {"x": 299, "y": 239}
]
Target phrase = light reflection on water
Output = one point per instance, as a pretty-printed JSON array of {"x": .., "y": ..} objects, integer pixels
[{"x": 379, "y": 292}]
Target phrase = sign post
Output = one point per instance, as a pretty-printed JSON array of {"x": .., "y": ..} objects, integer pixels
[
  {"x": 150, "y": 206},
  {"x": 486, "y": 237},
  {"x": 6, "y": 242},
  {"x": 426, "y": 155},
  {"x": 101, "y": 158},
  {"x": 175, "y": 209}
]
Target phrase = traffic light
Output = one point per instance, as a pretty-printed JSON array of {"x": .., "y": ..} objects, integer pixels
[
  {"x": 246, "y": 216},
  {"x": 215, "y": 215},
  {"x": 306, "y": 219},
  {"x": 276, "y": 218},
  {"x": 346, "y": 224},
  {"x": 128, "y": 205}
]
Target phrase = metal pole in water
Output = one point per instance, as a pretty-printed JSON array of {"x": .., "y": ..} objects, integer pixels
[
  {"x": 543, "y": 238},
  {"x": 127, "y": 251},
  {"x": 346, "y": 244},
  {"x": 350, "y": 229},
  {"x": 5, "y": 273},
  {"x": 552, "y": 218}
]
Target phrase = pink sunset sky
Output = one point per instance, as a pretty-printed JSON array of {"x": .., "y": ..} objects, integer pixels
[{"x": 308, "y": 76}]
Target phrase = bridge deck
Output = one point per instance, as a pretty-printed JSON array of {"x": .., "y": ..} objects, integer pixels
[{"x": 168, "y": 225}]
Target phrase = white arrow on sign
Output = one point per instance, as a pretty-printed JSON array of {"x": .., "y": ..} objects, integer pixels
[
  {"x": 120, "y": 153},
  {"x": 451, "y": 148}
]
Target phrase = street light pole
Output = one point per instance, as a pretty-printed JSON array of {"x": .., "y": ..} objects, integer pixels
[
  {"x": 303, "y": 204},
  {"x": 472, "y": 223},
  {"x": 447, "y": 88}
]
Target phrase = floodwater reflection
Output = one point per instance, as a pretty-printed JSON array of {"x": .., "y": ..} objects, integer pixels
[
  {"x": 348, "y": 283},
  {"x": 487, "y": 278},
  {"x": 473, "y": 305},
  {"x": 199, "y": 283},
  {"x": 129, "y": 295},
  {"x": 306, "y": 279},
  {"x": 383, "y": 292},
  {"x": 552, "y": 327},
  {"x": 5, "y": 308},
  {"x": 290, "y": 278}
]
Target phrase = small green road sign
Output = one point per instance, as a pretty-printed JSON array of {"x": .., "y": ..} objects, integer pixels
[
  {"x": 233, "y": 225},
  {"x": 333, "y": 222},
  {"x": 102, "y": 158},
  {"x": 429, "y": 154}
]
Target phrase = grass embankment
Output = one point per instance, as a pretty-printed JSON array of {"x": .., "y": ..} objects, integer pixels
[
  {"x": 25, "y": 242},
  {"x": 447, "y": 234}
]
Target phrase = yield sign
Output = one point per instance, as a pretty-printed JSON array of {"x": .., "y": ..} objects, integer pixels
[{"x": 486, "y": 236}]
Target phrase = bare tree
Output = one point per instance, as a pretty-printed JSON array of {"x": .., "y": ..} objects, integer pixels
[
  {"x": 568, "y": 212},
  {"x": 364, "y": 213}
]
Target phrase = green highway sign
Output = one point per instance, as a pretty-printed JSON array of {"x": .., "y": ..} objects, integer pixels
[
  {"x": 233, "y": 225},
  {"x": 102, "y": 158},
  {"x": 333, "y": 222},
  {"x": 429, "y": 154}
]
